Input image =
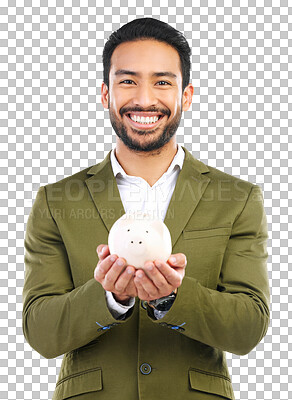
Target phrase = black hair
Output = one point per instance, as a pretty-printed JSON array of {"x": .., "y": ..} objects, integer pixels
[{"x": 148, "y": 28}]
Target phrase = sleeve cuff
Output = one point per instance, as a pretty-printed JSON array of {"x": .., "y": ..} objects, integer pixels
[{"x": 116, "y": 308}]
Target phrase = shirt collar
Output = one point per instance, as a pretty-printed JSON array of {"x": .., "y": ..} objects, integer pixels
[{"x": 178, "y": 160}]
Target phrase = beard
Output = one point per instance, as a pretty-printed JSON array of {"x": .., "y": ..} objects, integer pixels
[{"x": 152, "y": 142}]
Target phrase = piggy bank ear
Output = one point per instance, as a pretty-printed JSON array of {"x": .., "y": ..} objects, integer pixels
[
  {"x": 157, "y": 225},
  {"x": 123, "y": 221}
]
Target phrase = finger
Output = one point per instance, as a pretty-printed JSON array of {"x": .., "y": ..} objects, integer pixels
[
  {"x": 102, "y": 251},
  {"x": 124, "y": 279},
  {"x": 131, "y": 289},
  {"x": 99, "y": 248},
  {"x": 141, "y": 293},
  {"x": 158, "y": 279},
  {"x": 177, "y": 260},
  {"x": 173, "y": 276},
  {"x": 103, "y": 267},
  {"x": 146, "y": 284},
  {"x": 113, "y": 274}
]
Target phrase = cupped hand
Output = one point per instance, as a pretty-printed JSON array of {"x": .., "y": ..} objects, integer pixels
[
  {"x": 111, "y": 272},
  {"x": 158, "y": 279}
]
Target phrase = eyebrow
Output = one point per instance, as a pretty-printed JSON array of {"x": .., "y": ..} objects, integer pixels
[{"x": 156, "y": 74}]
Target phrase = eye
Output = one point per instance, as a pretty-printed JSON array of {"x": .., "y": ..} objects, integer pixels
[
  {"x": 126, "y": 81},
  {"x": 167, "y": 83},
  {"x": 128, "y": 230},
  {"x": 146, "y": 231}
]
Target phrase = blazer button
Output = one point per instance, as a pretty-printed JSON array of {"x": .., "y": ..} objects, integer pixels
[{"x": 145, "y": 369}]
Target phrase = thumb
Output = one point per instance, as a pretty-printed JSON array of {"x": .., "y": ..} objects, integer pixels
[{"x": 102, "y": 251}]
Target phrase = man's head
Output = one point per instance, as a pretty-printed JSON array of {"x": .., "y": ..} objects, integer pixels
[
  {"x": 146, "y": 74},
  {"x": 148, "y": 28}
]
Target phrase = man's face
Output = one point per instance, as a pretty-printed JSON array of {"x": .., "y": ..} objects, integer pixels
[{"x": 145, "y": 98}]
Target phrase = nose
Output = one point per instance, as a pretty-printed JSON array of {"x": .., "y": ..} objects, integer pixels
[
  {"x": 144, "y": 96},
  {"x": 136, "y": 245}
]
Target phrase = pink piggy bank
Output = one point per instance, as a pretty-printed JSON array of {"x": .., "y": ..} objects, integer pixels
[{"x": 138, "y": 237}]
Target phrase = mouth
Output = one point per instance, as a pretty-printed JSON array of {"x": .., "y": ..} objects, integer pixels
[{"x": 144, "y": 121}]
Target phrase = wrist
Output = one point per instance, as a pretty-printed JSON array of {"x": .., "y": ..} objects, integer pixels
[
  {"x": 124, "y": 300},
  {"x": 163, "y": 303}
]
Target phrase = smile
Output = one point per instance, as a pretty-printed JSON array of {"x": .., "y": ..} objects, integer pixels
[{"x": 144, "y": 121}]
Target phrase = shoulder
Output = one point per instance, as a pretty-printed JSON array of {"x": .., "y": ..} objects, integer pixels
[
  {"x": 218, "y": 180},
  {"x": 233, "y": 192},
  {"x": 78, "y": 179},
  {"x": 230, "y": 187},
  {"x": 70, "y": 188},
  {"x": 216, "y": 175},
  {"x": 79, "y": 176}
]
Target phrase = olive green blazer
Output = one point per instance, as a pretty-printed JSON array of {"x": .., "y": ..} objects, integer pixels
[{"x": 219, "y": 223}]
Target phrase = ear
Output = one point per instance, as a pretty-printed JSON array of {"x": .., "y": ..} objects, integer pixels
[
  {"x": 157, "y": 225},
  {"x": 187, "y": 97},
  {"x": 104, "y": 95},
  {"x": 124, "y": 221}
]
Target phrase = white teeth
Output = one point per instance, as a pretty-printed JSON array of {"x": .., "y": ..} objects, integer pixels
[{"x": 144, "y": 120}]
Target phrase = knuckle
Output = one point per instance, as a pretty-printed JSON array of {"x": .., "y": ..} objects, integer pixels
[
  {"x": 177, "y": 284},
  {"x": 96, "y": 271},
  {"x": 159, "y": 284},
  {"x": 169, "y": 277},
  {"x": 97, "y": 275},
  {"x": 109, "y": 280},
  {"x": 102, "y": 263},
  {"x": 153, "y": 295},
  {"x": 100, "y": 269},
  {"x": 118, "y": 288}
]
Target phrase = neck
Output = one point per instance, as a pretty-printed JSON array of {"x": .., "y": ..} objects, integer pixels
[{"x": 147, "y": 165}]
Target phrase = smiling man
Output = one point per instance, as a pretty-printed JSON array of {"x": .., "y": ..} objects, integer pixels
[
  {"x": 161, "y": 331},
  {"x": 145, "y": 105}
]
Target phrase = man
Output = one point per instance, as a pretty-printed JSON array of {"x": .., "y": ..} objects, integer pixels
[{"x": 160, "y": 332}]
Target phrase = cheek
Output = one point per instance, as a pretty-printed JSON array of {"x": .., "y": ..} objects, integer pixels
[
  {"x": 175, "y": 109},
  {"x": 112, "y": 103},
  {"x": 119, "y": 98},
  {"x": 173, "y": 103},
  {"x": 115, "y": 99}
]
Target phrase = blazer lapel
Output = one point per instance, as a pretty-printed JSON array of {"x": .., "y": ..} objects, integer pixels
[
  {"x": 104, "y": 192},
  {"x": 190, "y": 187}
]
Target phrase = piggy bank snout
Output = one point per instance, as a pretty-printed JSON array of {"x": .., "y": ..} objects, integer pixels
[
  {"x": 138, "y": 239},
  {"x": 136, "y": 245}
]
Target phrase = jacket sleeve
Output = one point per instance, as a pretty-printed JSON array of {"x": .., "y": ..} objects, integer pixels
[
  {"x": 57, "y": 317},
  {"x": 235, "y": 317}
]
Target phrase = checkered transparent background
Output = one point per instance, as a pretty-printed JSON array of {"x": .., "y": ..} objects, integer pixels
[{"x": 53, "y": 125}]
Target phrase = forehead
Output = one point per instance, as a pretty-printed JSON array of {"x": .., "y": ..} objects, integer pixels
[{"x": 145, "y": 56}]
